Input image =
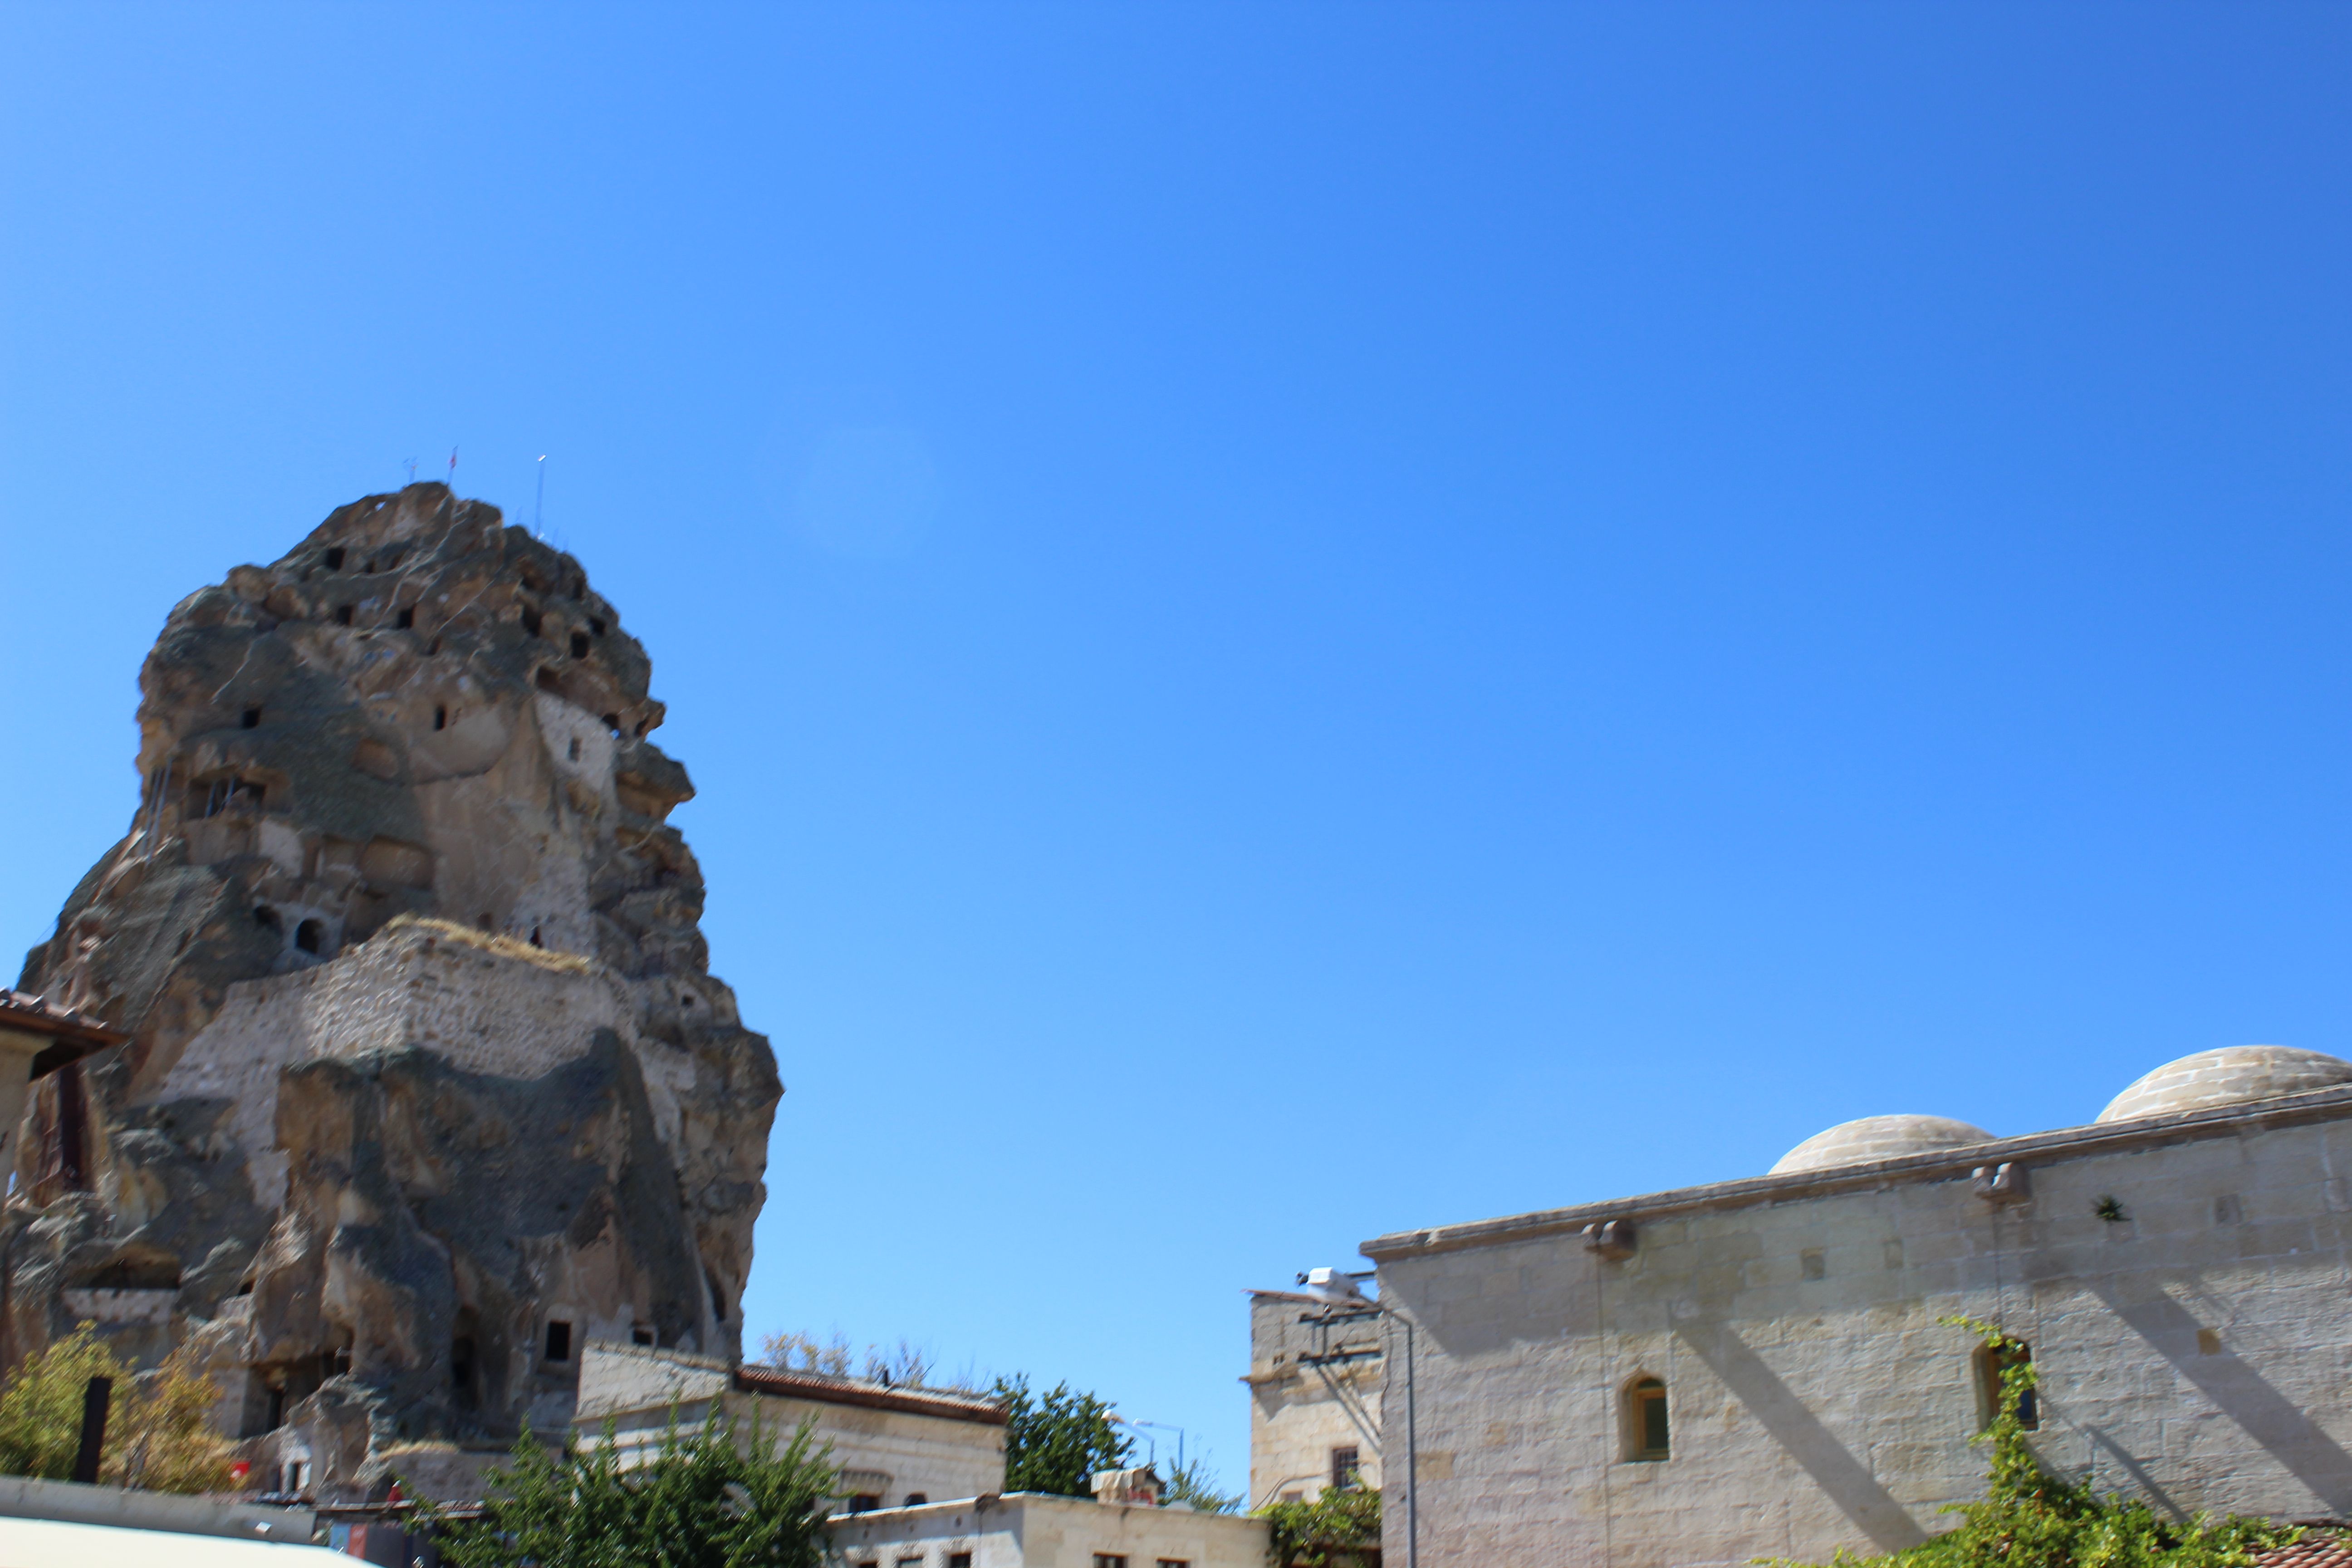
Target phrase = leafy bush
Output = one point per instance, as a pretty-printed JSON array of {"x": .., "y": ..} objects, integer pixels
[
  {"x": 1192, "y": 1484},
  {"x": 702, "y": 1500},
  {"x": 1309, "y": 1534},
  {"x": 2030, "y": 1519},
  {"x": 158, "y": 1434},
  {"x": 1054, "y": 1442}
]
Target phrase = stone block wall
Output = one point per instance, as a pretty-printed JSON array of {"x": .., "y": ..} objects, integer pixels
[
  {"x": 2193, "y": 1348},
  {"x": 1296, "y": 1418}
]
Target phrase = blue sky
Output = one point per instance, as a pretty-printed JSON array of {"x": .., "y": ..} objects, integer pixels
[{"x": 1292, "y": 621}]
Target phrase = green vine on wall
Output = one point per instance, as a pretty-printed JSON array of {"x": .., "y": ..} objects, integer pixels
[
  {"x": 1309, "y": 1534},
  {"x": 2031, "y": 1519}
]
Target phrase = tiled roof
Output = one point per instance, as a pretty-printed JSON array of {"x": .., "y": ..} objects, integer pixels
[
  {"x": 828, "y": 1390},
  {"x": 2318, "y": 1549},
  {"x": 72, "y": 1035}
]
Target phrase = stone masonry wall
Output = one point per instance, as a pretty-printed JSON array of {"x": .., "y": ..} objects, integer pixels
[
  {"x": 1296, "y": 1418},
  {"x": 2195, "y": 1349}
]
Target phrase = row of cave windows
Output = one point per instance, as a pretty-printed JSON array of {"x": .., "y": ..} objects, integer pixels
[
  {"x": 309, "y": 936},
  {"x": 1648, "y": 1437},
  {"x": 333, "y": 557},
  {"x": 224, "y": 793},
  {"x": 285, "y": 1383},
  {"x": 405, "y": 617}
]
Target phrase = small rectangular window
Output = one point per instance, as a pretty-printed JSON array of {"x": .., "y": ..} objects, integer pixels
[
  {"x": 1991, "y": 1364},
  {"x": 1107, "y": 1560},
  {"x": 1172, "y": 1563},
  {"x": 959, "y": 1559},
  {"x": 1346, "y": 1469},
  {"x": 559, "y": 1340},
  {"x": 1647, "y": 1437},
  {"x": 914, "y": 1561}
]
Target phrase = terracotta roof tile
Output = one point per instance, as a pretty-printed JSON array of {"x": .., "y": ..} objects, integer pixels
[
  {"x": 2319, "y": 1548},
  {"x": 827, "y": 1389},
  {"x": 72, "y": 1035},
  {"x": 27, "y": 1011}
]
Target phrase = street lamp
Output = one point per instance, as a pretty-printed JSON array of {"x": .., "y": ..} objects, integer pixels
[{"x": 1343, "y": 1300}]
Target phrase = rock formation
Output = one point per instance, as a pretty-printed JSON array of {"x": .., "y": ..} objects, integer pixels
[{"x": 428, "y": 1081}]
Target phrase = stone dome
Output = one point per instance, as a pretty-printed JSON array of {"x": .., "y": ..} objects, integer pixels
[
  {"x": 2233, "y": 1074},
  {"x": 1878, "y": 1138}
]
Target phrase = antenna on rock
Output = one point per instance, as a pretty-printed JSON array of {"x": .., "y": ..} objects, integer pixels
[
  {"x": 539, "y": 506},
  {"x": 412, "y": 470}
]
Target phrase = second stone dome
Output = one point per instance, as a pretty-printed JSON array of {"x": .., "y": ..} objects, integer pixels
[
  {"x": 1878, "y": 1138},
  {"x": 2231, "y": 1075}
]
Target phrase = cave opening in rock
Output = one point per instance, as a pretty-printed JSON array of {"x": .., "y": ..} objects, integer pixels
[
  {"x": 579, "y": 645},
  {"x": 462, "y": 1382},
  {"x": 342, "y": 615},
  {"x": 335, "y": 559},
  {"x": 250, "y": 719},
  {"x": 266, "y": 918},
  {"x": 310, "y": 936},
  {"x": 405, "y": 618},
  {"x": 530, "y": 622},
  {"x": 440, "y": 718}
]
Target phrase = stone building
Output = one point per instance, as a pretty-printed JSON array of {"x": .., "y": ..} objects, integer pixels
[
  {"x": 1756, "y": 1368},
  {"x": 427, "y": 1081},
  {"x": 1035, "y": 1529},
  {"x": 895, "y": 1446},
  {"x": 1315, "y": 1400},
  {"x": 922, "y": 1469}
]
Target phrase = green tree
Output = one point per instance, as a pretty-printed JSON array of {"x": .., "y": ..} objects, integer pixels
[
  {"x": 1309, "y": 1534},
  {"x": 158, "y": 1434},
  {"x": 1191, "y": 1484},
  {"x": 702, "y": 1500},
  {"x": 2030, "y": 1519},
  {"x": 1055, "y": 1441}
]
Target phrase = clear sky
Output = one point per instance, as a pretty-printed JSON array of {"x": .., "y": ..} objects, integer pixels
[{"x": 1292, "y": 621}]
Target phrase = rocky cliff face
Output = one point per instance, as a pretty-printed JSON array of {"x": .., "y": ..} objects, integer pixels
[{"x": 428, "y": 1081}]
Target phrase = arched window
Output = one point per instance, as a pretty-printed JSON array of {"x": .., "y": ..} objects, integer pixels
[
  {"x": 1991, "y": 1363},
  {"x": 1647, "y": 1440}
]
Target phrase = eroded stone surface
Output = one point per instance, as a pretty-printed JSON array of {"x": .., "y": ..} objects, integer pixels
[{"x": 425, "y": 1052}]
